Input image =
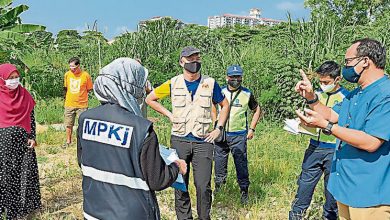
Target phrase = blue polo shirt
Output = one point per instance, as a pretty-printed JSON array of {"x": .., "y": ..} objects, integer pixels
[{"x": 359, "y": 178}]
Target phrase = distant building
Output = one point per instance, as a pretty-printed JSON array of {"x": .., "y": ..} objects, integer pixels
[
  {"x": 143, "y": 23},
  {"x": 253, "y": 19}
]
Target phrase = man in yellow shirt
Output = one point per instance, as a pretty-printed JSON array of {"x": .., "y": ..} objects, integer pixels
[
  {"x": 192, "y": 95},
  {"x": 77, "y": 84}
]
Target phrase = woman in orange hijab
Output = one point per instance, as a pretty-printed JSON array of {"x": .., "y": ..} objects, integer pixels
[{"x": 19, "y": 180}]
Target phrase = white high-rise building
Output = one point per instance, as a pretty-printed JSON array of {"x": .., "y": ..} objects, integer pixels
[{"x": 253, "y": 19}]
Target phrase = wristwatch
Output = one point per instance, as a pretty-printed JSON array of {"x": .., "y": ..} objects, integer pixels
[
  {"x": 309, "y": 102},
  {"x": 328, "y": 129},
  {"x": 252, "y": 129},
  {"x": 220, "y": 128}
]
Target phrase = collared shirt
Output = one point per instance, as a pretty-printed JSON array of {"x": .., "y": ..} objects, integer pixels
[{"x": 359, "y": 178}]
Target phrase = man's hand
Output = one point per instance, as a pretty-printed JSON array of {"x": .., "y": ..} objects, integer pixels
[
  {"x": 182, "y": 166},
  {"x": 312, "y": 119},
  {"x": 212, "y": 135},
  {"x": 304, "y": 87},
  {"x": 250, "y": 134}
]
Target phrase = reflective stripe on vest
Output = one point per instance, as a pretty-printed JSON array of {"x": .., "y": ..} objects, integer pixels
[
  {"x": 111, "y": 140},
  {"x": 191, "y": 116},
  {"x": 114, "y": 178},
  {"x": 89, "y": 217}
]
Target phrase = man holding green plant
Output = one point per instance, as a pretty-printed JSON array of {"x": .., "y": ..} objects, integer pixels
[{"x": 192, "y": 96}]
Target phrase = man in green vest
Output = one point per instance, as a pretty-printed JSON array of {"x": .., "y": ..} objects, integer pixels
[
  {"x": 318, "y": 156},
  {"x": 238, "y": 131}
]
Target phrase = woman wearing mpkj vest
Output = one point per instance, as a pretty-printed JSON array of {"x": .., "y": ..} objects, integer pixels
[
  {"x": 19, "y": 180},
  {"x": 118, "y": 150},
  {"x": 192, "y": 96}
]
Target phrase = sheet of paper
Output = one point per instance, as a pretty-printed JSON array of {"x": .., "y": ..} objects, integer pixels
[
  {"x": 169, "y": 155},
  {"x": 308, "y": 130},
  {"x": 295, "y": 127}
]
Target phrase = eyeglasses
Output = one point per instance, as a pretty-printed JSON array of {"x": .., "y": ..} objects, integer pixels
[{"x": 348, "y": 60}]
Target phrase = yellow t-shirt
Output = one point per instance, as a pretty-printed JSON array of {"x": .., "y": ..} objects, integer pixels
[
  {"x": 77, "y": 88},
  {"x": 163, "y": 90}
]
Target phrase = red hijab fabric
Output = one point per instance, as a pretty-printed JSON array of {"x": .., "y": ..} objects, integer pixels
[{"x": 15, "y": 105}]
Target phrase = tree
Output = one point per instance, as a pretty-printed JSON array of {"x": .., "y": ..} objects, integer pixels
[
  {"x": 349, "y": 12},
  {"x": 40, "y": 40},
  {"x": 13, "y": 33},
  {"x": 68, "y": 40}
]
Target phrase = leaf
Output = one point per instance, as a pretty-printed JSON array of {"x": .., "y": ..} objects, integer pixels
[
  {"x": 5, "y": 3},
  {"x": 11, "y": 16},
  {"x": 4, "y": 56},
  {"x": 26, "y": 28},
  {"x": 13, "y": 35}
]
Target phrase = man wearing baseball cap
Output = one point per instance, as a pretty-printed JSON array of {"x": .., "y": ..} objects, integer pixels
[
  {"x": 192, "y": 96},
  {"x": 238, "y": 131}
]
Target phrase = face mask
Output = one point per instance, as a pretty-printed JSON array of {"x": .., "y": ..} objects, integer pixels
[
  {"x": 192, "y": 67},
  {"x": 328, "y": 88},
  {"x": 12, "y": 83},
  {"x": 235, "y": 83},
  {"x": 350, "y": 74},
  {"x": 75, "y": 70}
]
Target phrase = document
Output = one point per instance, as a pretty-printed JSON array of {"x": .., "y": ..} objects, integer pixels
[
  {"x": 169, "y": 155},
  {"x": 294, "y": 126}
]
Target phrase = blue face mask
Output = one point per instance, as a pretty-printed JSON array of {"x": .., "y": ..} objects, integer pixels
[{"x": 350, "y": 74}]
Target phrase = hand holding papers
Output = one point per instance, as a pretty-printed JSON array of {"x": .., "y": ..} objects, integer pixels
[
  {"x": 294, "y": 126},
  {"x": 170, "y": 156}
]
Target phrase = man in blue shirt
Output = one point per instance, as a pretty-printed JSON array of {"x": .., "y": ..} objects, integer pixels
[
  {"x": 192, "y": 96},
  {"x": 360, "y": 174}
]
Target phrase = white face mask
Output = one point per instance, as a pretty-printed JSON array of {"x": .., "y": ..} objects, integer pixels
[
  {"x": 12, "y": 83},
  {"x": 328, "y": 88}
]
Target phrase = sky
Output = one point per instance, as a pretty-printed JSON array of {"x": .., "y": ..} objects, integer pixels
[{"x": 118, "y": 16}]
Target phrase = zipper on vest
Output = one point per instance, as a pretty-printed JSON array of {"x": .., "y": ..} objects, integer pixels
[{"x": 231, "y": 104}]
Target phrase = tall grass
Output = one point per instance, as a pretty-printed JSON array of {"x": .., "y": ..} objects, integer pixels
[
  {"x": 274, "y": 165},
  {"x": 51, "y": 111}
]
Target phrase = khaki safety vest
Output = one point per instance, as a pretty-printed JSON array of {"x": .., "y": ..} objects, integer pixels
[{"x": 191, "y": 116}]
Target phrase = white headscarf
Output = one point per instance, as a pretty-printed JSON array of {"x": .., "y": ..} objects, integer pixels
[{"x": 122, "y": 82}]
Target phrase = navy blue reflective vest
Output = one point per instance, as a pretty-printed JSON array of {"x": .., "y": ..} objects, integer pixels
[{"x": 111, "y": 140}]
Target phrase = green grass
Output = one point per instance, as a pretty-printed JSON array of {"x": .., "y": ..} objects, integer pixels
[
  {"x": 274, "y": 164},
  {"x": 51, "y": 111}
]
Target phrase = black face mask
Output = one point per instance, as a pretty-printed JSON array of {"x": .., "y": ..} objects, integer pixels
[
  {"x": 235, "y": 83},
  {"x": 193, "y": 67}
]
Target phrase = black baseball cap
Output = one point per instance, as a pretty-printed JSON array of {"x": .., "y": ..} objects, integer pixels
[{"x": 188, "y": 51}]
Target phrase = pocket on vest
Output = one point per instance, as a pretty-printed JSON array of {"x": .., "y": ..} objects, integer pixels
[
  {"x": 202, "y": 125},
  {"x": 179, "y": 126},
  {"x": 205, "y": 100},
  {"x": 179, "y": 100}
]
